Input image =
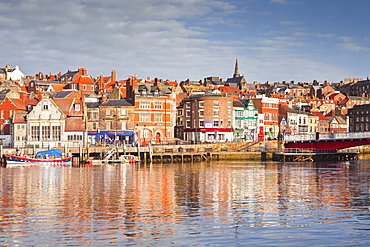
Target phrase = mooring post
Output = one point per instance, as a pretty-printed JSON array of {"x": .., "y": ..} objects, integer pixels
[{"x": 3, "y": 161}]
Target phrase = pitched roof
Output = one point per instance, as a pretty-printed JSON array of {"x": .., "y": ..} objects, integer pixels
[
  {"x": 19, "y": 104},
  {"x": 58, "y": 87},
  {"x": 116, "y": 102},
  {"x": 92, "y": 104},
  {"x": 84, "y": 79},
  {"x": 19, "y": 117},
  {"x": 67, "y": 106},
  {"x": 75, "y": 124},
  {"x": 320, "y": 115}
]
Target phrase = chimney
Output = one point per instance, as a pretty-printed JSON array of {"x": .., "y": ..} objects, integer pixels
[
  {"x": 103, "y": 98},
  {"x": 113, "y": 75},
  {"x": 23, "y": 95},
  {"x": 40, "y": 95}
]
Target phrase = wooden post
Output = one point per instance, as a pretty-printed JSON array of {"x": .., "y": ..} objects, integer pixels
[{"x": 2, "y": 161}]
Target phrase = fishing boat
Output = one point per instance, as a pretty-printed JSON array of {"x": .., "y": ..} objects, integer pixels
[{"x": 53, "y": 157}]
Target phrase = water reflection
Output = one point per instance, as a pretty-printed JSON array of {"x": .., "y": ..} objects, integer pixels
[{"x": 218, "y": 203}]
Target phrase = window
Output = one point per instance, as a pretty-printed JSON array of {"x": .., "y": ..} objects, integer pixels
[
  {"x": 94, "y": 115},
  {"x": 215, "y": 113},
  {"x": 74, "y": 86},
  {"x": 123, "y": 112},
  {"x": 216, "y": 103},
  {"x": 45, "y": 106},
  {"x": 45, "y": 133},
  {"x": 109, "y": 125},
  {"x": 201, "y": 103},
  {"x": 187, "y": 105},
  {"x": 35, "y": 133},
  {"x": 145, "y": 117},
  {"x": 238, "y": 124},
  {"x": 215, "y": 123},
  {"x": 124, "y": 125},
  {"x": 108, "y": 112},
  {"x": 145, "y": 105},
  {"x": 55, "y": 133},
  {"x": 158, "y": 117},
  {"x": 94, "y": 126},
  {"x": 158, "y": 105},
  {"x": 201, "y": 113},
  {"x": 188, "y": 124},
  {"x": 74, "y": 137},
  {"x": 201, "y": 124},
  {"x": 77, "y": 107}
]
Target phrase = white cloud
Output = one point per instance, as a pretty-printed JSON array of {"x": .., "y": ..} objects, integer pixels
[
  {"x": 171, "y": 39},
  {"x": 279, "y": 1},
  {"x": 290, "y": 22}
]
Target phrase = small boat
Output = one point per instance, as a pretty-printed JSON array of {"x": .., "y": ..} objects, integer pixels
[{"x": 53, "y": 157}]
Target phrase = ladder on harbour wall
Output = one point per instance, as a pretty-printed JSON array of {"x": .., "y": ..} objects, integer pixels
[{"x": 110, "y": 154}]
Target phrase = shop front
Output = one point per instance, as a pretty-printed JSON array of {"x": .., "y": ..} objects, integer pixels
[{"x": 110, "y": 137}]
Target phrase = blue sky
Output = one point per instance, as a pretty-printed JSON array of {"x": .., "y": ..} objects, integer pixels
[{"x": 273, "y": 40}]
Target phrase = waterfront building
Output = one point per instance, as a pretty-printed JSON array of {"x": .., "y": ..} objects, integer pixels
[
  {"x": 155, "y": 111},
  {"x": 313, "y": 123},
  {"x": 323, "y": 126},
  {"x": 56, "y": 123},
  {"x": 360, "y": 88},
  {"x": 337, "y": 124},
  {"x": 208, "y": 118},
  {"x": 245, "y": 120},
  {"x": 359, "y": 118},
  {"x": 269, "y": 107},
  {"x": 8, "y": 109},
  {"x": 287, "y": 120}
]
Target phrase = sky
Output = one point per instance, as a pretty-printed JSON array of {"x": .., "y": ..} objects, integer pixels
[{"x": 273, "y": 40}]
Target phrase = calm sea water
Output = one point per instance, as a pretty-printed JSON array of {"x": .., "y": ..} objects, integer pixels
[{"x": 234, "y": 203}]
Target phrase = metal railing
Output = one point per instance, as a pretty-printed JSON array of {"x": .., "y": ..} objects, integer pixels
[{"x": 327, "y": 136}]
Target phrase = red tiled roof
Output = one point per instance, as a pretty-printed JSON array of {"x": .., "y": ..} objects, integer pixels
[
  {"x": 83, "y": 80},
  {"x": 58, "y": 87},
  {"x": 320, "y": 115},
  {"x": 75, "y": 124},
  {"x": 18, "y": 103},
  {"x": 31, "y": 102},
  {"x": 66, "y": 106},
  {"x": 19, "y": 117},
  {"x": 23, "y": 88}
]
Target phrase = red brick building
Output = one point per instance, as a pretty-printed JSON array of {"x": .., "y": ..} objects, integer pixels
[{"x": 208, "y": 118}]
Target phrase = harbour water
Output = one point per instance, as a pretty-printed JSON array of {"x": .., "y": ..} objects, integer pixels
[{"x": 220, "y": 203}]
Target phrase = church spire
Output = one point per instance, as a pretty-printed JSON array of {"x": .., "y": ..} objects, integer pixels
[{"x": 236, "y": 72}]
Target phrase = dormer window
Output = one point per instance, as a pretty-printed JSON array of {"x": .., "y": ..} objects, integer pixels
[
  {"x": 77, "y": 107},
  {"x": 144, "y": 92}
]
